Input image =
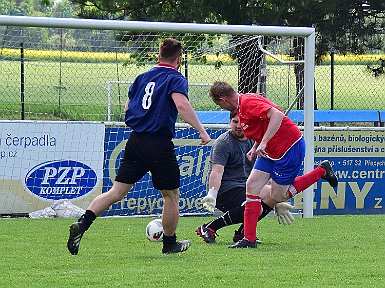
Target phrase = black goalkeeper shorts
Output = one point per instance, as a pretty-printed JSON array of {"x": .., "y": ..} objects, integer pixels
[
  {"x": 153, "y": 153},
  {"x": 231, "y": 199}
]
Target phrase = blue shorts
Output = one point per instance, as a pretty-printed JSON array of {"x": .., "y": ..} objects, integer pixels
[{"x": 284, "y": 170}]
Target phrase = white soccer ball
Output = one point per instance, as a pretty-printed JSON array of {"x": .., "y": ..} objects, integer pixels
[{"x": 154, "y": 230}]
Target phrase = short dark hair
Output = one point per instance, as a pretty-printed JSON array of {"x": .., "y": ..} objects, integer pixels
[
  {"x": 220, "y": 89},
  {"x": 233, "y": 114},
  {"x": 170, "y": 49}
]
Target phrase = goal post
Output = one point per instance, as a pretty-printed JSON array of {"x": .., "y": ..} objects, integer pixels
[{"x": 69, "y": 64}]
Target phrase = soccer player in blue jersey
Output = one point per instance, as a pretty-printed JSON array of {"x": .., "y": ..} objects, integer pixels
[{"x": 154, "y": 100}]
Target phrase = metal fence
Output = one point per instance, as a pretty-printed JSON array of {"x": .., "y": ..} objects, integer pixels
[
  {"x": 74, "y": 74},
  {"x": 351, "y": 82}
]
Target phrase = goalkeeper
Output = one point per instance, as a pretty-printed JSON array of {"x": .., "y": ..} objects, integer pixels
[
  {"x": 229, "y": 170},
  {"x": 228, "y": 173}
]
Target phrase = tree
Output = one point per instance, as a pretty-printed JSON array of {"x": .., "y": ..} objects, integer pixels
[
  {"x": 23, "y": 7},
  {"x": 344, "y": 25},
  {"x": 341, "y": 25}
]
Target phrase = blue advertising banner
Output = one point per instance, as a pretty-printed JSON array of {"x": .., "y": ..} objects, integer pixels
[
  {"x": 358, "y": 157},
  {"x": 143, "y": 199}
]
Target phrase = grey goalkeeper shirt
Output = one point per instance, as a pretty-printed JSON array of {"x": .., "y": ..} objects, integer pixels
[{"x": 230, "y": 152}]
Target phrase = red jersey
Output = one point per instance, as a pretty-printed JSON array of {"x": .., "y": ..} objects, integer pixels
[{"x": 252, "y": 113}]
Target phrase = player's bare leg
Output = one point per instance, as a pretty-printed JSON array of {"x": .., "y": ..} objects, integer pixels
[
  {"x": 170, "y": 213},
  {"x": 117, "y": 192},
  {"x": 170, "y": 218},
  {"x": 278, "y": 192},
  {"x": 96, "y": 208}
]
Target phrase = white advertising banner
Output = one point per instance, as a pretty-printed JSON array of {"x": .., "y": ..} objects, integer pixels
[{"x": 41, "y": 162}]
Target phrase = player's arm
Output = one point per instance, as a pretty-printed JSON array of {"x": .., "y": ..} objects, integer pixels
[
  {"x": 214, "y": 183},
  {"x": 275, "y": 119},
  {"x": 186, "y": 111},
  {"x": 126, "y": 105},
  {"x": 215, "y": 177}
]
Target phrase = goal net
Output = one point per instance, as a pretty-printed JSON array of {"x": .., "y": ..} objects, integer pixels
[{"x": 79, "y": 71}]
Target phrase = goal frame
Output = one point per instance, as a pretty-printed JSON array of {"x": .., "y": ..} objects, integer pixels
[{"x": 143, "y": 26}]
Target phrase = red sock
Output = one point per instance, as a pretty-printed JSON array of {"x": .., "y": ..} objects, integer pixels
[
  {"x": 300, "y": 183},
  {"x": 252, "y": 211}
]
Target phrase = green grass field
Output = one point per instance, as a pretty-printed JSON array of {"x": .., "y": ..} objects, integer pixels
[
  {"x": 327, "y": 251},
  {"x": 78, "y": 91}
]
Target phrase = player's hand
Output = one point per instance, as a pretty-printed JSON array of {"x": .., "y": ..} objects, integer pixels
[
  {"x": 210, "y": 200},
  {"x": 283, "y": 212},
  {"x": 251, "y": 155},
  {"x": 209, "y": 203},
  {"x": 205, "y": 138},
  {"x": 260, "y": 151}
]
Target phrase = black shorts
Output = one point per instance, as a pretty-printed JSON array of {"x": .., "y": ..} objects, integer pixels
[
  {"x": 231, "y": 199},
  {"x": 146, "y": 152}
]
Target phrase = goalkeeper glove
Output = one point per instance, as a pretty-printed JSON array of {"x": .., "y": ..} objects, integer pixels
[
  {"x": 210, "y": 200},
  {"x": 283, "y": 212}
]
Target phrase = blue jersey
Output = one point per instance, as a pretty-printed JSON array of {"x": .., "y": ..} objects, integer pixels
[{"x": 151, "y": 108}]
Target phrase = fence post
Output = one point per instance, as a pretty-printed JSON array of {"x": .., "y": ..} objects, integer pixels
[
  {"x": 22, "y": 80},
  {"x": 332, "y": 80},
  {"x": 186, "y": 64}
]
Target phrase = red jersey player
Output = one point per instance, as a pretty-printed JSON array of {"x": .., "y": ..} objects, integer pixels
[{"x": 279, "y": 150}]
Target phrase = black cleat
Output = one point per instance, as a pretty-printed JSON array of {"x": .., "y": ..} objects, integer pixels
[
  {"x": 244, "y": 243},
  {"x": 330, "y": 176},
  {"x": 239, "y": 236},
  {"x": 177, "y": 247},
  {"x": 74, "y": 238},
  {"x": 207, "y": 234}
]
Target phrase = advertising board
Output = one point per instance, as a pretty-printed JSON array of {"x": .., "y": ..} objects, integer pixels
[
  {"x": 41, "y": 162},
  {"x": 358, "y": 157}
]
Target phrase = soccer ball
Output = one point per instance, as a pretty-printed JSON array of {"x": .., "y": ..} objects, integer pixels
[{"x": 154, "y": 231}]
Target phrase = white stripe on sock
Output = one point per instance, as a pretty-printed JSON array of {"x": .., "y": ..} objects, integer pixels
[{"x": 253, "y": 200}]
